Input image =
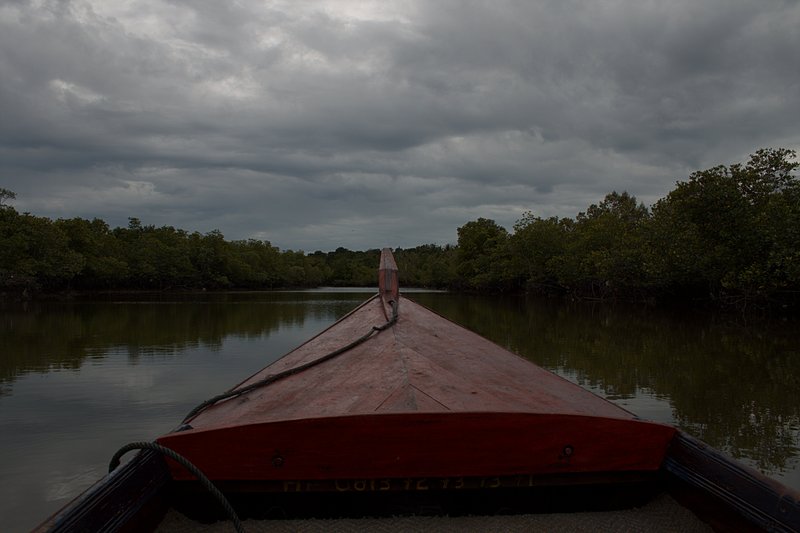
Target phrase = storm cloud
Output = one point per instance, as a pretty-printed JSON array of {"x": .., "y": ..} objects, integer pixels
[{"x": 369, "y": 124}]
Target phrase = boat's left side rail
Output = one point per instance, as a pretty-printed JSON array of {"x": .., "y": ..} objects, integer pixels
[{"x": 131, "y": 498}]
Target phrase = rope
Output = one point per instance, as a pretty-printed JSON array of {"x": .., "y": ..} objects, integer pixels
[
  {"x": 237, "y": 392},
  {"x": 296, "y": 370},
  {"x": 188, "y": 466}
]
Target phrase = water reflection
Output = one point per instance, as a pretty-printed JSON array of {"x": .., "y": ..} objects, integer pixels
[
  {"x": 80, "y": 378},
  {"x": 732, "y": 384},
  {"x": 43, "y": 336}
]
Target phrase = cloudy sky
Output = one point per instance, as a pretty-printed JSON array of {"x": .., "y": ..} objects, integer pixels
[{"x": 366, "y": 124}]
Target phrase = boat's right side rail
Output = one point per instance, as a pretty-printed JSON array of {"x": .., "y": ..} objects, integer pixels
[{"x": 726, "y": 493}]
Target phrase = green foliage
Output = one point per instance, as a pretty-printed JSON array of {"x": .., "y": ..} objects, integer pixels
[
  {"x": 34, "y": 253},
  {"x": 537, "y": 248},
  {"x": 484, "y": 260},
  {"x": 6, "y": 195},
  {"x": 350, "y": 269},
  {"x": 428, "y": 266},
  {"x": 39, "y": 254},
  {"x": 729, "y": 233},
  {"x": 103, "y": 262},
  {"x": 601, "y": 252}
]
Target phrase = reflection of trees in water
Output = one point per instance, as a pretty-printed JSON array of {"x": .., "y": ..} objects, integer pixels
[
  {"x": 733, "y": 385},
  {"x": 42, "y": 336}
]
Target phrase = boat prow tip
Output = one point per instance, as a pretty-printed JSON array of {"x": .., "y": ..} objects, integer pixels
[{"x": 388, "y": 282}]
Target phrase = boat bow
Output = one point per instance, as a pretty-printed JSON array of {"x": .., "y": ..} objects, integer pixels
[{"x": 421, "y": 396}]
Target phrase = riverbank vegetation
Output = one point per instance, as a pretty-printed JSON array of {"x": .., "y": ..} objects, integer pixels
[{"x": 729, "y": 234}]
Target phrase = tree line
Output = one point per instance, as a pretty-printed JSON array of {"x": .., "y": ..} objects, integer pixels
[{"x": 728, "y": 233}]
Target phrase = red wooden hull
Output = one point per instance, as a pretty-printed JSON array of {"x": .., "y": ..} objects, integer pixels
[
  {"x": 422, "y": 397},
  {"x": 423, "y": 445}
]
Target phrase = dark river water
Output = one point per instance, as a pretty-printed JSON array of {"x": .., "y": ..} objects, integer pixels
[{"x": 81, "y": 378}]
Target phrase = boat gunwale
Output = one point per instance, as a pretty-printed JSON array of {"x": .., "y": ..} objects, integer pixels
[
  {"x": 415, "y": 414},
  {"x": 296, "y": 348}
]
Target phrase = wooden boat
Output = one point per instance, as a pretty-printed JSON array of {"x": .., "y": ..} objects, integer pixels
[{"x": 394, "y": 409}]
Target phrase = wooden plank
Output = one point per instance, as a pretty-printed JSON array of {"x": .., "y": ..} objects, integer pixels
[
  {"x": 502, "y": 380},
  {"x": 423, "y": 497}
]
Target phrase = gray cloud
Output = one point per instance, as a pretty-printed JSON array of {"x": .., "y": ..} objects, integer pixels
[{"x": 358, "y": 124}]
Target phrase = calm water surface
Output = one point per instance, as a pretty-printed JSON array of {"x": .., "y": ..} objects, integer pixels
[{"x": 79, "y": 379}]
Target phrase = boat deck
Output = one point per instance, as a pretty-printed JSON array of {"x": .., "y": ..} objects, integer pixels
[
  {"x": 423, "y": 363},
  {"x": 661, "y": 514},
  {"x": 424, "y": 398}
]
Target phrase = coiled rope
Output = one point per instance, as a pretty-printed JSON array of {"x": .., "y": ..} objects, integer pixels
[
  {"x": 296, "y": 370},
  {"x": 188, "y": 466}
]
